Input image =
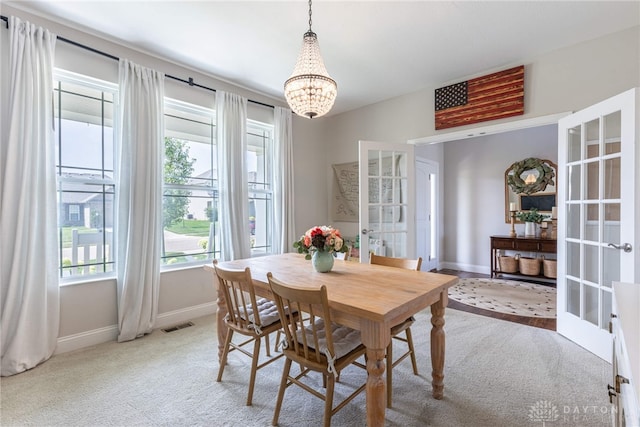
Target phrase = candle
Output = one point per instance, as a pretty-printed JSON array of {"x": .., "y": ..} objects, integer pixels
[
  {"x": 512, "y": 206},
  {"x": 554, "y": 212},
  {"x": 544, "y": 225}
]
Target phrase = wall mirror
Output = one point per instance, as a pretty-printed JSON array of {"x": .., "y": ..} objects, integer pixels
[{"x": 530, "y": 183}]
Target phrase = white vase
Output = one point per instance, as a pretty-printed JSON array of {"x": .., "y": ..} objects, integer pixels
[{"x": 530, "y": 229}]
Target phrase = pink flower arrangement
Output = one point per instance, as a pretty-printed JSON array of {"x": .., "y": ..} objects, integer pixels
[{"x": 320, "y": 239}]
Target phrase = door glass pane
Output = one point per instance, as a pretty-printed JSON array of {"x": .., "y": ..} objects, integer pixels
[
  {"x": 573, "y": 297},
  {"x": 592, "y": 191},
  {"x": 573, "y": 259},
  {"x": 591, "y": 263},
  {"x": 612, "y": 222},
  {"x": 388, "y": 192},
  {"x": 610, "y": 266},
  {"x": 401, "y": 165},
  {"x": 612, "y": 178},
  {"x": 573, "y": 182},
  {"x": 591, "y": 304},
  {"x": 592, "y": 149},
  {"x": 591, "y": 225},
  {"x": 374, "y": 217},
  {"x": 389, "y": 215},
  {"x": 612, "y": 133},
  {"x": 592, "y": 138},
  {"x": 573, "y": 221},
  {"x": 573, "y": 144},
  {"x": 606, "y": 309},
  {"x": 374, "y": 164},
  {"x": 387, "y": 166},
  {"x": 374, "y": 190}
]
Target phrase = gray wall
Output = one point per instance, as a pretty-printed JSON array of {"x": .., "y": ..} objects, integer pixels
[
  {"x": 562, "y": 81},
  {"x": 568, "y": 79},
  {"x": 474, "y": 189}
]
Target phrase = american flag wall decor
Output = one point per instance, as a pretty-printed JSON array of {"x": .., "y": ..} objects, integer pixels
[{"x": 489, "y": 97}]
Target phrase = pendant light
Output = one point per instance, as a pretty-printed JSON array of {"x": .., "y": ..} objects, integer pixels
[{"x": 310, "y": 92}]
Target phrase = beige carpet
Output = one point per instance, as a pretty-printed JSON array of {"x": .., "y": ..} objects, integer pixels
[
  {"x": 496, "y": 373},
  {"x": 506, "y": 296}
]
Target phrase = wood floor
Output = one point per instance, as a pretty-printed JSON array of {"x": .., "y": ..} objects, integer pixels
[{"x": 531, "y": 321}]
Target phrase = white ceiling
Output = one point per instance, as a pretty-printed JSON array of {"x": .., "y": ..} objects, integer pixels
[{"x": 375, "y": 50}]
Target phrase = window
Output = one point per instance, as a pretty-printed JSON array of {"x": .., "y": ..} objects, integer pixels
[
  {"x": 190, "y": 200},
  {"x": 259, "y": 165},
  {"x": 84, "y": 111}
]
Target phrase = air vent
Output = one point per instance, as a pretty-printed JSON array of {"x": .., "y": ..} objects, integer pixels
[{"x": 176, "y": 327}]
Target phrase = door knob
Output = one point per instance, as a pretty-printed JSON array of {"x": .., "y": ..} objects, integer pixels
[
  {"x": 625, "y": 246},
  {"x": 365, "y": 231}
]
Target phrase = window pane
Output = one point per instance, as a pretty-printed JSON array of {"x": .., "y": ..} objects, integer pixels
[
  {"x": 591, "y": 263},
  {"x": 574, "y": 139},
  {"x": 573, "y": 297},
  {"x": 194, "y": 236},
  {"x": 591, "y": 299}
]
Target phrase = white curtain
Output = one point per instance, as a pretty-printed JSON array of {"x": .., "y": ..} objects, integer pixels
[
  {"x": 28, "y": 246},
  {"x": 139, "y": 200},
  {"x": 284, "y": 216},
  {"x": 231, "y": 125}
]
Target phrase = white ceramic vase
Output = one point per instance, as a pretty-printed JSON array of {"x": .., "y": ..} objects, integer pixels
[{"x": 529, "y": 229}]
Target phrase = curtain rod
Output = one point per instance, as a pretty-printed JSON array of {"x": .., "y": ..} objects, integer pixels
[{"x": 190, "y": 82}]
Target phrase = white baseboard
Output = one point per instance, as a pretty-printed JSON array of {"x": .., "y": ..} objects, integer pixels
[
  {"x": 86, "y": 339},
  {"x": 110, "y": 333},
  {"x": 482, "y": 269}
]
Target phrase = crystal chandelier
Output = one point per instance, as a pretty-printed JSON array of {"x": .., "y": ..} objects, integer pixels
[{"x": 310, "y": 92}]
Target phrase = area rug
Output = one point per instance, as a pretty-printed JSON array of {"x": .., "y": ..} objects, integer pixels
[{"x": 506, "y": 296}]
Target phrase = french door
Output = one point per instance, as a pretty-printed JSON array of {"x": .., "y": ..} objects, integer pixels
[
  {"x": 596, "y": 212},
  {"x": 387, "y": 200}
]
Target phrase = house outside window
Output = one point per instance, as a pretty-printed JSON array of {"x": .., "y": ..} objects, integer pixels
[
  {"x": 191, "y": 228},
  {"x": 84, "y": 137}
]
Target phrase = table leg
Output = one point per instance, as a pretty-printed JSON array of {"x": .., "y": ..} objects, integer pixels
[
  {"x": 221, "y": 326},
  {"x": 376, "y": 338},
  {"x": 437, "y": 345}
]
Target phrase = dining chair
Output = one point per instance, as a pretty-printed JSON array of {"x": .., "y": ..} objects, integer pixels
[
  {"x": 315, "y": 343},
  {"x": 409, "y": 264},
  {"x": 248, "y": 316}
]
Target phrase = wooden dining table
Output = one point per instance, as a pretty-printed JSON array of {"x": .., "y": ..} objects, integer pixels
[{"x": 366, "y": 297}]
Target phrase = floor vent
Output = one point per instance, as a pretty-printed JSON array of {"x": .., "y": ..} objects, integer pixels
[{"x": 176, "y": 327}]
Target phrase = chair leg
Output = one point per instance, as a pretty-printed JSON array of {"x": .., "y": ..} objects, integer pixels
[
  {"x": 283, "y": 386},
  {"x": 225, "y": 353},
  {"x": 266, "y": 343},
  {"x": 389, "y": 373},
  {"x": 275, "y": 346},
  {"x": 254, "y": 368},
  {"x": 413, "y": 352},
  {"x": 328, "y": 400}
]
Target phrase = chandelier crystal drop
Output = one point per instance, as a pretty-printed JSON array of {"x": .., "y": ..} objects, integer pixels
[{"x": 310, "y": 91}]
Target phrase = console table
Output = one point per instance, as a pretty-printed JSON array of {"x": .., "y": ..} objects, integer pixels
[{"x": 522, "y": 244}]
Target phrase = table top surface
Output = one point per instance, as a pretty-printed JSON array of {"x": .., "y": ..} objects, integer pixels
[
  {"x": 375, "y": 292},
  {"x": 523, "y": 237}
]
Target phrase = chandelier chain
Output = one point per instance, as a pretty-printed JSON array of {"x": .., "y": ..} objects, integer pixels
[{"x": 309, "y": 15}]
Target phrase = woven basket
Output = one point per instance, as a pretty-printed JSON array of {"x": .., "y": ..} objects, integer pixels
[
  {"x": 530, "y": 266},
  {"x": 508, "y": 264},
  {"x": 549, "y": 268}
]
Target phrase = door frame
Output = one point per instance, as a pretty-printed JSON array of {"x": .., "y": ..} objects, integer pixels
[{"x": 434, "y": 233}]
